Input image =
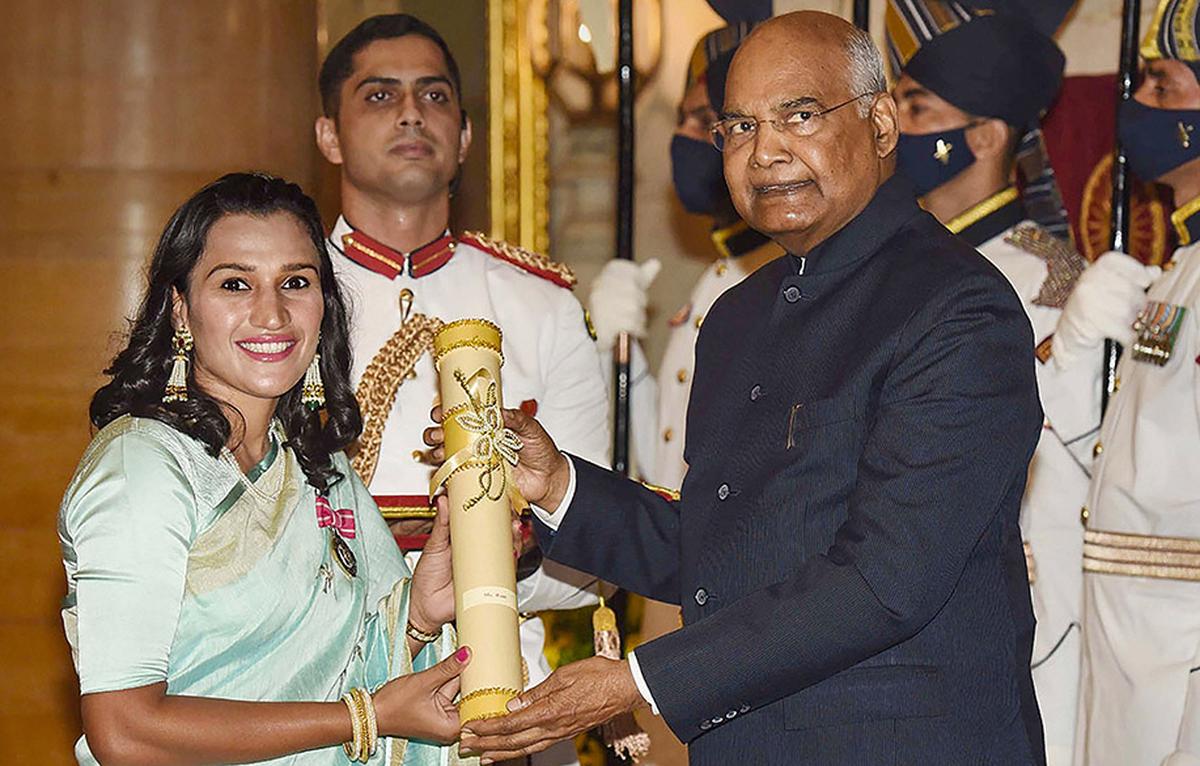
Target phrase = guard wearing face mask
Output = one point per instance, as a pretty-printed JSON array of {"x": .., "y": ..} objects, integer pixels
[
  {"x": 700, "y": 185},
  {"x": 1140, "y": 684},
  {"x": 971, "y": 85}
]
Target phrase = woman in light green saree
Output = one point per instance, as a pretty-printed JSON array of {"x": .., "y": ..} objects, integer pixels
[{"x": 230, "y": 581}]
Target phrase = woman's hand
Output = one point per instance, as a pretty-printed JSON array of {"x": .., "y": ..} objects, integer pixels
[
  {"x": 432, "y": 604},
  {"x": 541, "y": 474},
  {"x": 421, "y": 705}
]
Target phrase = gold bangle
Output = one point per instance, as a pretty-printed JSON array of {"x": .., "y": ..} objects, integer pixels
[
  {"x": 416, "y": 634},
  {"x": 353, "y": 747},
  {"x": 368, "y": 707}
]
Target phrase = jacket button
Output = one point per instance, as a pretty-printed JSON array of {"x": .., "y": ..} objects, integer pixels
[
  {"x": 705, "y": 725},
  {"x": 791, "y": 293},
  {"x": 701, "y": 596},
  {"x": 681, "y": 376},
  {"x": 756, "y": 393},
  {"x": 744, "y": 709},
  {"x": 723, "y": 492},
  {"x": 731, "y": 715}
]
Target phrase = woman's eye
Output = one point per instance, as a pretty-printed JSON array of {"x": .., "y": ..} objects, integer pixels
[
  {"x": 235, "y": 283},
  {"x": 296, "y": 283}
]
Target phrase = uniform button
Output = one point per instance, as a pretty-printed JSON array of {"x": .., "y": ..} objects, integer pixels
[
  {"x": 755, "y": 393},
  {"x": 791, "y": 293},
  {"x": 1099, "y": 448},
  {"x": 731, "y": 715},
  {"x": 699, "y": 321},
  {"x": 701, "y": 596},
  {"x": 723, "y": 492},
  {"x": 668, "y": 435},
  {"x": 744, "y": 709},
  {"x": 716, "y": 719},
  {"x": 705, "y": 725},
  {"x": 1083, "y": 515},
  {"x": 681, "y": 376},
  {"x": 722, "y": 267}
]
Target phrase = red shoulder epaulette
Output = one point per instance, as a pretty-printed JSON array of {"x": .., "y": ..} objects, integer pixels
[{"x": 526, "y": 260}]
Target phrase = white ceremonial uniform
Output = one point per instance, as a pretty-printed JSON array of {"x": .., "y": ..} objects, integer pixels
[
  {"x": 549, "y": 360},
  {"x": 679, "y": 358},
  {"x": 1140, "y": 704},
  {"x": 1056, "y": 488}
]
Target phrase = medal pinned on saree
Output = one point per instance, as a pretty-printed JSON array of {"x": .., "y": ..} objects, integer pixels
[{"x": 477, "y": 475}]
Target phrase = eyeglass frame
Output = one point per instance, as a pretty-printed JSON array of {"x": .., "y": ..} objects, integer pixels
[{"x": 779, "y": 123}]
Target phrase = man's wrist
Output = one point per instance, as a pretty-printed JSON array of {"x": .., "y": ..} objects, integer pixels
[{"x": 557, "y": 484}]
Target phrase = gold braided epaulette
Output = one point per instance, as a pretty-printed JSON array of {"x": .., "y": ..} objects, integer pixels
[{"x": 526, "y": 260}]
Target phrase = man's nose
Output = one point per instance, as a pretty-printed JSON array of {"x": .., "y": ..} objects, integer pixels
[
  {"x": 410, "y": 111},
  {"x": 769, "y": 146}
]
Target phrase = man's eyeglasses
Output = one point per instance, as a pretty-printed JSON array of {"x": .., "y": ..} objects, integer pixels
[{"x": 733, "y": 133}]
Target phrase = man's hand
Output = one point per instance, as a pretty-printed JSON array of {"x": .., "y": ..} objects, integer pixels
[
  {"x": 542, "y": 473},
  {"x": 575, "y": 698},
  {"x": 432, "y": 583},
  {"x": 1104, "y": 303},
  {"x": 617, "y": 302}
]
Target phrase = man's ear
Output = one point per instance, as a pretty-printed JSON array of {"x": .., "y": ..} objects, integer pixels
[
  {"x": 178, "y": 310},
  {"x": 464, "y": 139},
  {"x": 885, "y": 123},
  {"x": 989, "y": 139},
  {"x": 327, "y": 139}
]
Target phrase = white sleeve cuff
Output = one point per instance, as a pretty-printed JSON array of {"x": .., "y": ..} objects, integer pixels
[
  {"x": 642, "y": 688},
  {"x": 553, "y": 520}
]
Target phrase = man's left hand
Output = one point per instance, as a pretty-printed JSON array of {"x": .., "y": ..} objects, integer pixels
[{"x": 575, "y": 698}]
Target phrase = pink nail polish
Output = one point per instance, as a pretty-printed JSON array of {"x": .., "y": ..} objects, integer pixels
[{"x": 463, "y": 654}]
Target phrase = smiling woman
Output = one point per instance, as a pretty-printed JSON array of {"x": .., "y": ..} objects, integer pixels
[{"x": 233, "y": 593}]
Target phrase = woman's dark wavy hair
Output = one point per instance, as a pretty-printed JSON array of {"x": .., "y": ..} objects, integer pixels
[{"x": 139, "y": 372}]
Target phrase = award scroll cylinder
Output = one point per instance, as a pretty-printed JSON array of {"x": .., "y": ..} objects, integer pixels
[{"x": 479, "y": 454}]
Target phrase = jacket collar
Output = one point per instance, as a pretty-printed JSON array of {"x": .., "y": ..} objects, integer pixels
[
  {"x": 893, "y": 205},
  {"x": 372, "y": 254},
  {"x": 989, "y": 218}
]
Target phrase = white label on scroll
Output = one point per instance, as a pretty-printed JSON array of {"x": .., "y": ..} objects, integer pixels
[{"x": 489, "y": 594}]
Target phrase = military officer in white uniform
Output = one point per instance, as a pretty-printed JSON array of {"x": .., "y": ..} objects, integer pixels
[
  {"x": 1140, "y": 700},
  {"x": 393, "y": 122},
  {"x": 959, "y": 137}
]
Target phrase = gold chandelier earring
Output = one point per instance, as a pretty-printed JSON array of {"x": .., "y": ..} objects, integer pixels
[
  {"x": 312, "y": 395},
  {"x": 183, "y": 344}
]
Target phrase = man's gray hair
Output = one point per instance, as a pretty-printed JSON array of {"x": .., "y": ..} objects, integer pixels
[{"x": 865, "y": 68}]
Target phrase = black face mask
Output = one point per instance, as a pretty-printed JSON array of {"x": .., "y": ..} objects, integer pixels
[
  {"x": 1156, "y": 141},
  {"x": 699, "y": 176},
  {"x": 931, "y": 159}
]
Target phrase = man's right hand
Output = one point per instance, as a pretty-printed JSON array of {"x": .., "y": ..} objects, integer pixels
[
  {"x": 542, "y": 472},
  {"x": 1104, "y": 304}
]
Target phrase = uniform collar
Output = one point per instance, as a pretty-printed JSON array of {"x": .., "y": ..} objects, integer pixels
[
  {"x": 988, "y": 219},
  {"x": 737, "y": 239},
  {"x": 372, "y": 254},
  {"x": 893, "y": 205},
  {"x": 1186, "y": 219}
]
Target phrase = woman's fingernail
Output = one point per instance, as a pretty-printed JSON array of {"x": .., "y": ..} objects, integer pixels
[{"x": 463, "y": 654}]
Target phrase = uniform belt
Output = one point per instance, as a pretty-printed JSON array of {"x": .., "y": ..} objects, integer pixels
[
  {"x": 394, "y": 507},
  {"x": 1121, "y": 553}
]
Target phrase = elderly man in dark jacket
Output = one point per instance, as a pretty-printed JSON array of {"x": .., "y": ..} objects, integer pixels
[{"x": 846, "y": 548}]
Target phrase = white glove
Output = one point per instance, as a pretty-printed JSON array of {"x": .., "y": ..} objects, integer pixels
[
  {"x": 1104, "y": 304},
  {"x": 617, "y": 302}
]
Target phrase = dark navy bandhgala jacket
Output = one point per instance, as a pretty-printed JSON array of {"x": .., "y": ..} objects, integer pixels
[{"x": 846, "y": 549}]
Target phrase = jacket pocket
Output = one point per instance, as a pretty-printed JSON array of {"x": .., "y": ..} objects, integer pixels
[
  {"x": 869, "y": 694},
  {"x": 817, "y": 412}
]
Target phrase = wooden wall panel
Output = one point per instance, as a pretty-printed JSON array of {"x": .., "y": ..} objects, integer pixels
[{"x": 114, "y": 112}]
